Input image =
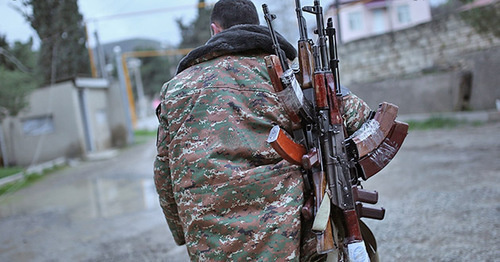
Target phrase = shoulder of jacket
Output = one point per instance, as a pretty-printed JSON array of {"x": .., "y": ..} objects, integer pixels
[{"x": 344, "y": 90}]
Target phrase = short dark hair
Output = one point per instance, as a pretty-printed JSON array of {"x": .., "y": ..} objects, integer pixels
[{"x": 227, "y": 13}]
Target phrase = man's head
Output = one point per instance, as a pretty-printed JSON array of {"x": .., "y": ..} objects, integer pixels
[{"x": 227, "y": 13}]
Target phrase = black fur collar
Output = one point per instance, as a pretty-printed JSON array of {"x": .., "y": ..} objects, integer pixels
[{"x": 237, "y": 39}]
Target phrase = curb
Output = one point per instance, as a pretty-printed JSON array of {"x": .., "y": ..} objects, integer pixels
[
  {"x": 38, "y": 169},
  {"x": 12, "y": 178},
  {"x": 473, "y": 116}
]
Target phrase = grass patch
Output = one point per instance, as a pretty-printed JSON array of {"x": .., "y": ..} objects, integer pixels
[
  {"x": 15, "y": 186},
  {"x": 148, "y": 133},
  {"x": 28, "y": 180},
  {"x": 437, "y": 122},
  {"x": 9, "y": 171},
  {"x": 142, "y": 136}
]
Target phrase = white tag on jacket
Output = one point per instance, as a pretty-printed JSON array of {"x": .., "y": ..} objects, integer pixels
[{"x": 323, "y": 214}]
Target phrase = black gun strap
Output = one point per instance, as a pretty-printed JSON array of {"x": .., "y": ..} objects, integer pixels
[{"x": 370, "y": 241}]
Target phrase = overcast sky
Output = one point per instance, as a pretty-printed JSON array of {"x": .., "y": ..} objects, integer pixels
[
  {"x": 113, "y": 20},
  {"x": 117, "y": 20}
]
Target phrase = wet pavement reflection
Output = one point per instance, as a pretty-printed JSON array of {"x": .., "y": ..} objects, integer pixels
[
  {"x": 105, "y": 210},
  {"x": 92, "y": 198}
]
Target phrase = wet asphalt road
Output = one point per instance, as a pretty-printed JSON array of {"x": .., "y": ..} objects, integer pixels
[
  {"x": 96, "y": 211},
  {"x": 441, "y": 193}
]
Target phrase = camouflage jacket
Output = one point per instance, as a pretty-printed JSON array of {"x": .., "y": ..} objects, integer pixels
[{"x": 224, "y": 191}]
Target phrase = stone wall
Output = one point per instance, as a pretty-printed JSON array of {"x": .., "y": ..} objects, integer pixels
[
  {"x": 423, "y": 67},
  {"x": 439, "y": 44}
]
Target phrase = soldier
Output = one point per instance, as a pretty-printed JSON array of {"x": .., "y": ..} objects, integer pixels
[{"x": 224, "y": 191}]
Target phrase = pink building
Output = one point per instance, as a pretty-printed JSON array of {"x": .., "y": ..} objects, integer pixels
[{"x": 364, "y": 18}]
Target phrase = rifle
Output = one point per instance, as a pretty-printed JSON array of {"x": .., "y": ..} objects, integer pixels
[
  {"x": 294, "y": 101},
  {"x": 304, "y": 50},
  {"x": 330, "y": 135},
  {"x": 283, "y": 78},
  {"x": 333, "y": 162}
]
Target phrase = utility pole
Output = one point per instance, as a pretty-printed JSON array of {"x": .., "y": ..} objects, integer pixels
[
  {"x": 337, "y": 10},
  {"x": 123, "y": 89},
  {"x": 135, "y": 65}
]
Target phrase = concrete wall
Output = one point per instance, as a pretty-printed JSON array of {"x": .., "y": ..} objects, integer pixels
[
  {"x": 61, "y": 103},
  {"x": 98, "y": 116},
  {"x": 117, "y": 115},
  {"x": 80, "y": 116},
  {"x": 424, "y": 62},
  {"x": 442, "y": 91},
  {"x": 430, "y": 93},
  {"x": 485, "y": 67}
]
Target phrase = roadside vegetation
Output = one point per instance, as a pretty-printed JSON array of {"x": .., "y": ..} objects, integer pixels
[
  {"x": 143, "y": 136},
  {"x": 27, "y": 180},
  {"x": 435, "y": 122},
  {"x": 9, "y": 171}
]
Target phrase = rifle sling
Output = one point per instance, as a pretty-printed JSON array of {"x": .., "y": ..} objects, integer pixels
[{"x": 322, "y": 215}]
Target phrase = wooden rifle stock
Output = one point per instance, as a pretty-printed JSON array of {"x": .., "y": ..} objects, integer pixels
[{"x": 275, "y": 71}]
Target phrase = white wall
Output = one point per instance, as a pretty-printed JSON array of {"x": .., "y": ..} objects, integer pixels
[
  {"x": 380, "y": 18},
  {"x": 60, "y": 104},
  {"x": 54, "y": 123}
]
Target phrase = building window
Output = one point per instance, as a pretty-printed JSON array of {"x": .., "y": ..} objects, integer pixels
[
  {"x": 379, "y": 21},
  {"x": 355, "y": 21},
  {"x": 404, "y": 14},
  {"x": 36, "y": 126}
]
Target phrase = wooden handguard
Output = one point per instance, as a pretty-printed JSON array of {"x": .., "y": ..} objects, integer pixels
[
  {"x": 275, "y": 71},
  {"x": 373, "y": 132},
  {"x": 304, "y": 76},
  {"x": 379, "y": 158},
  {"x": 285, "y": 146}
]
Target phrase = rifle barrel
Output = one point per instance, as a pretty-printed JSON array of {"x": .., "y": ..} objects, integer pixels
[
  {"x": 301, "y": 21},
  {"x": 276, "y": 46}
]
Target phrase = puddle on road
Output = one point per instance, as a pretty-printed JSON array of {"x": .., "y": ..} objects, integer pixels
[{"x": 87, "y": 199}]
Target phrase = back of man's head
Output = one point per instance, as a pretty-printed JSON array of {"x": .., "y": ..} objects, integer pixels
[{"x": 227, "y": 13}]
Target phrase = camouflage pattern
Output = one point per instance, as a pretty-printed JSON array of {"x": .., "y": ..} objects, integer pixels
[
  {"x": 356, "y": 112},
  {"x": 224, "y": 191}
]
